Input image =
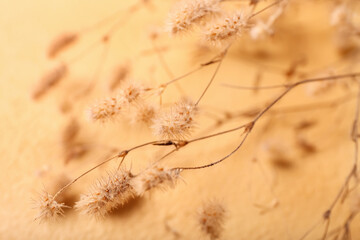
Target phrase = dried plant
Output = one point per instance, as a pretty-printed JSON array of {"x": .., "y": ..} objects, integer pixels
[
  {"x": 177, "y": 122},
  {"x": 174, "y": 123},
  {"x": 48, "y": 207},
  {"x": 189, "y": 12},
  {"x": 155, "y": 177}
]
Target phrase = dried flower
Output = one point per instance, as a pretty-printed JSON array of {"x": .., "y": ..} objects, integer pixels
[
  {"x": 49, "y": 80},
  {"x": 227, "y": 28},
  {"x": 60, "y": 43},
  {"x": 188, "y": 12},
  {"x": 211, "y": 218},
  {"x": 111, "y": 107},
  {"x": 155, "y": 177},
  {"x": 49, "y": 209},
  {"x": 107, "y": 109},
  {"x": 108, "y": 194},
  {"x": 177, "y": 122}
]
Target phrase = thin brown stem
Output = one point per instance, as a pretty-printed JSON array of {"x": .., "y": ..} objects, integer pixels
[
  {"x": 223, "y": 54},
  {"x": 267, "y": 108}
]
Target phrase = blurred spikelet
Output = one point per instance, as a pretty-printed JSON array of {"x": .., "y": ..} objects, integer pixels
[
  {"x": 48, "y": 208},
  {"x": 227, "y": 28},
  {"x": 61, "y": 42},
  {"x": 211, "y": 219},
  {"x": 189, "y": 12},
  {"x": 49, "y": 80},
  {"x": 155, "y": 177}
]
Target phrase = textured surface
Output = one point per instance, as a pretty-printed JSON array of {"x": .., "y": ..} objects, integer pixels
[{"x": 30, "y": 133}]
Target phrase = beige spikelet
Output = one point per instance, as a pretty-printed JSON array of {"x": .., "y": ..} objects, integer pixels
[
  {"x": 60, "y": 43},
  {"x": 108, "y": 194},
  {"x": 227, "y": 28},
  {"x": 49, "y": 80},
  {"x": 186, "y": 13},
  {"x": 155, "y": 177}
]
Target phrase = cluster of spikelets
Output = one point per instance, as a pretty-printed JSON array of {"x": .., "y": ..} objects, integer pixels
[
  {"x": 173, "y": 123},
  {"x": 211, "y": 219},
  {"x": 111, "y": 107},
  {"x": 111, "y": 192},
  {"x": 218, "y": 26},
  {"x": 227, "y": 28},
  {"x": 107, "y": 194}
]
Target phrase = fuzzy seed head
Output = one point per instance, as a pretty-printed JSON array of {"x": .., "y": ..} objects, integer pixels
[
  {"x": 49, "y": 209},
  {"x": 155, "y": 177},
  {"x": 227, "y": 28},
  {"x": 110, "y": 108},
  {"x": 259, "y": 30},
  {"x": 177, "y": 122},
  {"x": 108, "y": 194},
  {"x": 189, "y": 12},
  {"x": 131, "y": 92},
  {"x": 211, "y": 218},
  {"x": 107, "y": 109}
]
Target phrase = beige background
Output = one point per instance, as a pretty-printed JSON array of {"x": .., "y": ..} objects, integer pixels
[{"x": 30, "y": 131}]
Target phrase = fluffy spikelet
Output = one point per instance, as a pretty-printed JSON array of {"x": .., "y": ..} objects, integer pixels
[
  {"x": 211, "y": 218},
  {"x": 227, "y": 28},
  {"x": 188, "y": 12},
  {"x": 145, "y": 113},
  {"x": 131, "y": 91},
  {"x": 112, "y": 107},
  {"x": 49, "y": 209},
  {"x": 108, "y": 194},
  {"x": 60, "y": 43},
  {"x": 49, "y": 80},
  {"x": 107, "y": 109},
  {"x": 155, "y": 177},
  {"x": 177, "y": 122}
]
